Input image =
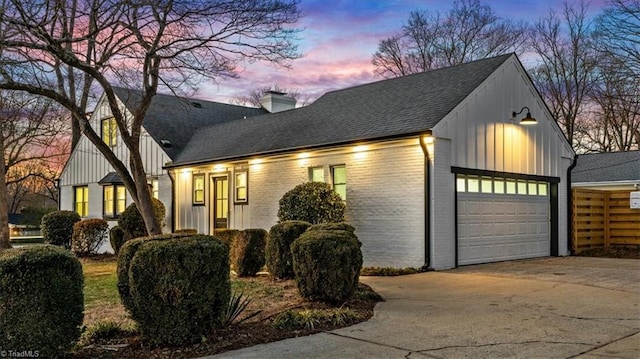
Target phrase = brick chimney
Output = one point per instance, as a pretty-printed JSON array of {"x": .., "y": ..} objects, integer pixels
[{"x": 274, "y": 101}]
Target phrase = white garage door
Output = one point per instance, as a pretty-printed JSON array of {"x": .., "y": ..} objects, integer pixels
[{"x": 501, "y": 219}]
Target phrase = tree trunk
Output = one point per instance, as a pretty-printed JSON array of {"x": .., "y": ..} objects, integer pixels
[
  {"x": 76, "y": 132},
  {"x": 4, "y": 198},
  {"x": 145, "y": 203}
]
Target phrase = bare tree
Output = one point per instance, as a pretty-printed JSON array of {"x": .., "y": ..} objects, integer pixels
[
  {"x": 469, "y": 31},
  {"x": 618, "y": 34},
  {"x": 145, "y": 44},
  {"x": 28, "y": 128},
  {"x": 568, "y": 61},
  {"x": 254, "y": 96}
]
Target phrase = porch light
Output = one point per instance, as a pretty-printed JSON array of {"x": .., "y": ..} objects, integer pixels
[{"x": 527, "y": 120}]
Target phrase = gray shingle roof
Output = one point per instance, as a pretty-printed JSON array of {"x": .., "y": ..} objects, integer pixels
[
  {"x": 395, "y": 107},
  {"x": 607, "y": 167},
  {"x": 111, "y": 178},
  {"x": 176, "y": 118}
]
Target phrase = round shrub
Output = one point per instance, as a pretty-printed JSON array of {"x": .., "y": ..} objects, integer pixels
[
  {"x": 327, "y": 264},
  {"x": 132, "y": 223},
  {"x": 180, "y": 288},
  {"x": 117, "y": 237},
  {"x": 57, "y": 227},
  {"x": 278, "y": 249},
  {"x": 313, "y": 202},
  {"x": 41, "y": 301},
  {"x": 248, "y": 252},
  {"x": 88, "y": 236},
  {"x": 125, "y": 255},
  {"x": 341, "y": 226}
]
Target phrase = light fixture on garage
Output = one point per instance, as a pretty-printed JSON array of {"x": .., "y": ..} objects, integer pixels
[{"x": 527, "y": 120}]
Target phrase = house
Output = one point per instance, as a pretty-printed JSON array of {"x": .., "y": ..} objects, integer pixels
[
  {"x": 433, "y": 167},
  {"x": 608, "y": 171},
  {"x": 449, "y": 167},
  {"x": 602, "y": 187},
  {"x": 91, "y": 187}
]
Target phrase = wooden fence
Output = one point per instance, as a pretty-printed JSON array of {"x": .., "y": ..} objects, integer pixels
[{"x": 603, "y": 219}]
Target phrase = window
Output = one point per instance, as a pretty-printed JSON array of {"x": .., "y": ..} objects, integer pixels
[
  {"x": 81, "y": 201},
  {"x": 316, "y": 174},
  {"x": 461, "y": 183},
  {"x": 241, "y": 187},
  {"x": 339, "y": 177},
  {"x": 155, "y": 188},
  {"x": 115, "y": 200},
  {"x": 198, "y": 189},
  {"x": 500, "y": 185},
  {"x": 110, "y": 131}
]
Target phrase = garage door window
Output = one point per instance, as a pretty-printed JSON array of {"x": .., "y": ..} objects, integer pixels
[{"x": 500, "y": 185}]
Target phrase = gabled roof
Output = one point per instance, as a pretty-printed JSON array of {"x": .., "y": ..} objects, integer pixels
[
  {"x": 607, "y": 167},
  {"x": 403, "y": 106},
  {"x": 176, "y": 119}
]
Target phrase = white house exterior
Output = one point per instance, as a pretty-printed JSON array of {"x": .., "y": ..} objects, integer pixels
[
  {"x": 435, "y": 170},
  {"x": 88, "y": 183}
]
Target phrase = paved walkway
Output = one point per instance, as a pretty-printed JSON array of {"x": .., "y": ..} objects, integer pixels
[{"x": 542, "y": 308}]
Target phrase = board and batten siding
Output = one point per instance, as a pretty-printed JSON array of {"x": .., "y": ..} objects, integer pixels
[
  {"x": 481, "y": 135},
  {"x": 385, "y": 196},
  {"x": 87, "y": 166}
]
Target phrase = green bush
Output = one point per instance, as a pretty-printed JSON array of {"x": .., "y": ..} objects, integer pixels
[
  {"x": 180, "y": 288},
  {"x": 313, "y": 202},
  {"x": 227, "y": 236},
  {"x": 117, "y": 237},
  {"x": 41, "y": 301},
  {"x": 340, "y": 226},
  {"x": 278, "y": 249},
  {"x": 125, "y": 255},
  {"x": 132, "y": 223},
  {"x": 248, "y": 252},
  {"x": 187, "y": 231},
  {"x": 57, "y": 227},
  {"x": 327, "y": 264},
  {"x": 88, "y": 236}
]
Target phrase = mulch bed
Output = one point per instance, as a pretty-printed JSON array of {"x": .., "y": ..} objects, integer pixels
[
  {"x": 229, "y": 338},
  {"x": 629, "y": 252}
]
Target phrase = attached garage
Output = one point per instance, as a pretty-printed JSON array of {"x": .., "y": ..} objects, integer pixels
[{"x": 501, "y": 218}]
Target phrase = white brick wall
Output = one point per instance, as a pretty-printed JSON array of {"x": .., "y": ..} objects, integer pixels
[{"x": 385, "y": 197}]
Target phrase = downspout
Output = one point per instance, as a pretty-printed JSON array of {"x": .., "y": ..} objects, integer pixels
[
  {"x": 427, "y": 204},
  {"x": 570, "y": 206},
  {"x": 173, "y": 201}
]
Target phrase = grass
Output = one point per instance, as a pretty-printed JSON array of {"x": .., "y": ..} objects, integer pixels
[{"x": 100, "y": 283}]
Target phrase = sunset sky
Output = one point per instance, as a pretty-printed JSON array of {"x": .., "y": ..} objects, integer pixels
[{"x": 339, "y": 38}]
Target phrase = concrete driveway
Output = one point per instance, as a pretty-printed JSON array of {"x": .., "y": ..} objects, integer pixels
[{"x": 543, "y": 308}]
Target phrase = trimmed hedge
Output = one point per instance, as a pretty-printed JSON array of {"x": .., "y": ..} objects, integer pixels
[
  {"x": 228, "y": 237},
  {"x": 88, "y": 236},
  {"x": 248, "y": 252},
  {"x": 132, "y": 223},
  {"x": 278, "y": 249},
  {"x": 187, "y": 231},
  {"x": 117, "y": 237},
  {"x": 125, "y": 255},
  {"x": 340, "y": 226},
  {"x": 180, "y": 288},
  {"x": 41, "y": 300},
  {"x": 313, "y": 202},
  {"x": 327, "y": 264},
  {"x": 57, "y": 227}
]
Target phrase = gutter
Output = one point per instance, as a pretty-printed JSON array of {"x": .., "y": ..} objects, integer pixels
[
  {"x": 427, "y": 204},
  {"x": 570, "y": 206}
]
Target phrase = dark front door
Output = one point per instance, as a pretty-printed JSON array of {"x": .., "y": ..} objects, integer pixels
[{"x": 220, "y": 211}]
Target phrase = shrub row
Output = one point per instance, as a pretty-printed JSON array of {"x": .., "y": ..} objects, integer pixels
[{"x": 41, "y": 300}]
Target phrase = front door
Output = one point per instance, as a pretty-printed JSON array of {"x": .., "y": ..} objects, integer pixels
[{"x": 220, "y": 210}]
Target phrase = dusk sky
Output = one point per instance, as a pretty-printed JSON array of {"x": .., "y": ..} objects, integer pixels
[{"x": 339, "y": 38}]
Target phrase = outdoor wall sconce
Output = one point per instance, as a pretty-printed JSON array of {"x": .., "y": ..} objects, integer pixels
[{"x": 527, "y": 120}]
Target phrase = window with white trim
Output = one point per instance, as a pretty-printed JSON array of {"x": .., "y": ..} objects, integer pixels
[{"x": 339, "y": 180}]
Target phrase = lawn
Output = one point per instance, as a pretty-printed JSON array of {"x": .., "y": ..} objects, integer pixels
[{"x": 269, "y": 299}]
